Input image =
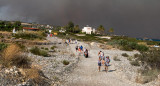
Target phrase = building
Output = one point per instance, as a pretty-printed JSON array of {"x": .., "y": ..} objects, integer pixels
[
  {"x": 88, "y": 30},
  {"x": 30, "y": 29},
  {"x": 62, "y": 30}
]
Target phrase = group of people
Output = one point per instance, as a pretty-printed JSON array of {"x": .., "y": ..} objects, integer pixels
[
  {"x": 103, "y": 60},
  {"x": 81, "y": 49}
]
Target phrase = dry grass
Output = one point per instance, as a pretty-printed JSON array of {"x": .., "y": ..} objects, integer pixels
[
  {"x": 12, "y": 56},
  {"x": 32, "y": 73},
  {"x": 9, "y": 53},
  {"x": 142, "y": 43},
  {"x": 5, "y": 32}
]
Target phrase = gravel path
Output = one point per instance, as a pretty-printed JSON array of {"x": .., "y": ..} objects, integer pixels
[
  {"x": 86, "y": 73},
  {"x": 120, "y": 73}
]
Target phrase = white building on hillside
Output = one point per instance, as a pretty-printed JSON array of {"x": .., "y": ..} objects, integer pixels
[{"x": 88, "y": 30}]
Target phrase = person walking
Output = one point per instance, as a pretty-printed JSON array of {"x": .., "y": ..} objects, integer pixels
[
  {"x": 99, "y": 64},
  {"x": 107, "y": 61},
  {"x": 103, "y": 59},
  {"x": 86, "y": 53},
  {"x": 100, "y": 54},
  {"x": 81, "y": 47},
  {"x": 76, "y": 48}
]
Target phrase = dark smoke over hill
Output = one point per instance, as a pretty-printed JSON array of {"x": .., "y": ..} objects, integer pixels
[{"x": 136, "y": 18}]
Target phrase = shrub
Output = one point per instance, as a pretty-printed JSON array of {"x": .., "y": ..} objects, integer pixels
[
  {"x": 125, "y": 55},
  {"x": 135, "y": 63},
  {"x": 42, "y": 47},
  {"x": 21, "y": 61},
  {"x": 128, "y": 45},
  {"x": 2, "y": 36},
  {"x": 150, "y": 75},
  {"x": 152, "y": 43},
  {"x": 142, "y": 48},
  {"x": 126, "y": 48},
  {"x": 137, "y": 55},
  {"x": 23, "y": 47},
  {"x": 123, "y": 42},
  {"x": 152, "y": 58},
  {"x": 46, "y": 48},
  {"x": 29, "y": 35},
  {"x": 65, "y": 62},
  {"x": 116, "y": 59},
  {"x": 129, "y": 58},
  {"x": 2, "y": 46},
  {"x": 37, "y": 51},
  {"x": 12, "y": 56},
  {"x": 53, "y": 47}
]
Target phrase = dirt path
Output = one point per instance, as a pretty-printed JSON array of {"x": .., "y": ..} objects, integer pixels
[{"x": 86, "y": 73}]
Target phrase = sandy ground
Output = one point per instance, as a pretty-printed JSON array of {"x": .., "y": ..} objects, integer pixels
[{"x": 86, "y": 73}]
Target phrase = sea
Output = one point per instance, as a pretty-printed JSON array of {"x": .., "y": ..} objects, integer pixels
[{"x": 158, "y": 40}]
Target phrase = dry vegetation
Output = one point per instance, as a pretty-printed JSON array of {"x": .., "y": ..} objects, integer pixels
[
  {"x": 12, "y": 56},
  {"x": 31, "y": 35}
]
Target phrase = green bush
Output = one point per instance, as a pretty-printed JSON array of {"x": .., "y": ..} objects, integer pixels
[
  {"x": 2, "y": 46},
  {"x": 125, "y": 55},
  {"x": 142, "y": 48},
  {"x": 135, "y": 63},
  {"x": 65, "y": 62},
  {"x": 2, "y": 36},
  {"x": 37, "y": 51},
  {"x": 126, "y": 48},
  {"x": 152, "y": 43},
  {"x": 152, "y": 58},
  {"x": 29, "y": 35},
  {"x": 46, "y": 48},
  {"x": 53, "y": 47},
  {"x": 128, "y": 45},
  {"x": 42, "y": 47}
]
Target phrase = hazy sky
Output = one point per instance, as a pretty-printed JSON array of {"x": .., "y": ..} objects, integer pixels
[{"x": 135, "y": 18}]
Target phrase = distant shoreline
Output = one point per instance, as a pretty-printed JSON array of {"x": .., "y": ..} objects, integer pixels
[{"x": 158, "y": 40}]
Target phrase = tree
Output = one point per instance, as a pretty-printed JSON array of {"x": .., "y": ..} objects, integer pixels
[
  {"x": 76, "y": 29},
  {"x": 111, "y": 31},
  {"x": 2, "y": 25},
  {"x": 70, "y": 27},
  {"x": 101, "y": 30},
  {"x": 17, "y": 25}
]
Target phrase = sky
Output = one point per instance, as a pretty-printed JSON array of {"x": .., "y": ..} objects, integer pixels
[{"x": 134, "y": 18}]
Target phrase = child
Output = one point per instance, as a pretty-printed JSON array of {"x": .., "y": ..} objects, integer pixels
[{"x": 107, "y": 61}]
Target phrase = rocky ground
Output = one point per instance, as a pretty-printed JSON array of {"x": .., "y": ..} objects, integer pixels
[
  {"x": 80, "y": 71},
  {"x": 52, "y": 70},
  {"x": 121, "y": 73},
  {"x": 53, "y": 66}
]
